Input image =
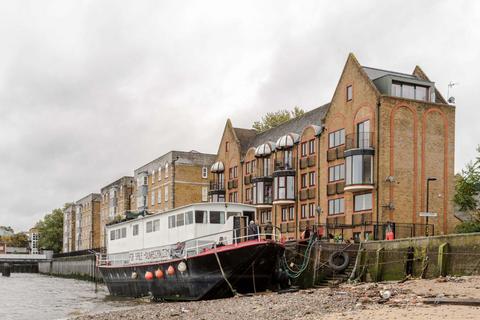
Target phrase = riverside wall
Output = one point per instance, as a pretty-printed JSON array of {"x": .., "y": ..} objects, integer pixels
[
  {"x": 78, "y": 267},
  {"x": 424, "y": 257}
]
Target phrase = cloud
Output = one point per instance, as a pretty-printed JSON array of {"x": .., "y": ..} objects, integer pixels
[{"x": 91, "y": 90}]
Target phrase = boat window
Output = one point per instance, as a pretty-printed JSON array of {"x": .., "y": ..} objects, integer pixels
[
  {"x": 171, "y": 222},
  {"x": 112, "y": 235},
  {"x": 149, "y": 226},
  {"x": 135, "y": 229},
  {"x": 180, "y": 219},
  {"x": 217, "y": 217},
  {"x": 124, "y": 232},
  {"x": 200, "y": 216},
  {"x": 189, "y": 217},
  {"x": 233, "y": 214}
]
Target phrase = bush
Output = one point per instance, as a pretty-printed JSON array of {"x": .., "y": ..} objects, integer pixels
[{"x": 468, "y": 227}]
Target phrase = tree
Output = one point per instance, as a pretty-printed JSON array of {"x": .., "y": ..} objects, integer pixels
[
  {"x": 467, "y": 195},
  {"x": 50, "y": 230},
  {"x": 18, "y": 240},
  {"x": 273, "y": 119}
]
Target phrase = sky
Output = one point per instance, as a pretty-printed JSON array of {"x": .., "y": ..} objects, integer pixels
[{"x": 91, "y": 90}]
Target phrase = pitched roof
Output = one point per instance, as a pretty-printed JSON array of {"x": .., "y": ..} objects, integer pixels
[
  {"x": 250, "y": 138},
  {"x": 374, "y": 73},
  {"x": 244, "y": 136}
]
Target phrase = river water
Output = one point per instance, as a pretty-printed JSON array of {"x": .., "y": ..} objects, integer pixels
[{"x": 38, "y": 297}]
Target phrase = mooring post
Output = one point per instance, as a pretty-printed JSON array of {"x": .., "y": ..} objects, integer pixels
[
  {"x": 442, "y": 259},
  {"x": 379, "y": 264},
  {"x": 6, "y": 270}
]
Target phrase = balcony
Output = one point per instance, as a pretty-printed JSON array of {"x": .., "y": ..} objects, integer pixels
[
  {"x": 262, "y": 191},
  {"x": 359, "y": 155},
  {"x": 216, "y": 191},
  {"x": 359, "y": 140}
]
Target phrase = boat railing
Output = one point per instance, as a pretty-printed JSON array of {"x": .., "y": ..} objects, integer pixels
[{"x": 189, "y": 248}]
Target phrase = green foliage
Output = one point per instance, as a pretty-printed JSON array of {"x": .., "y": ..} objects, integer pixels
[
  {"x": 50, "y": 229},
  {"x": 19, "y": 240},
  {"x": 273, "y": 119},
  {"x": 468, "y": 227},
  {"x": 467, "y": 195}
]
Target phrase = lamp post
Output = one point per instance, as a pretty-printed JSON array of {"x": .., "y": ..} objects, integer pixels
[{"x": 428, "y": 198}]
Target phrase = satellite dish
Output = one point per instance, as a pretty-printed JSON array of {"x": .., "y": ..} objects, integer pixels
[{"x": 451, "y": 100}]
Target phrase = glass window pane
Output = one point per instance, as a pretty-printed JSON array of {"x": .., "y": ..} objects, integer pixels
[
  {"x": 189, "y": 217},
  {"x": 396, "y": 90},
  {"x": 290, "y": 187},
  {"x": 200, "y": 217},
  {"x": 348, "y": 170},
  {"x": 357, "y": 169},
  {"x": 408, "y": 91},
  {"x": 367, "y": 169},
  {"x": 180, "y": 219},
  {"x": 421, "y": 93},
  {"x": 215, "y": 217}
]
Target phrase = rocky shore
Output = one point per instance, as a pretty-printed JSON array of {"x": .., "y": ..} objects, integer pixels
[{"x": 372, "y": 300}]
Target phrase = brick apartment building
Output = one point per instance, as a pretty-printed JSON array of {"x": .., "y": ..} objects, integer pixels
[
  {"x": 69, "y": 228},
  {"x": 87, "y": 222},
  {"x": 352, "y": 165},
  {"x": 175, "y": 179},
  {"x": 116, "y": 202}
]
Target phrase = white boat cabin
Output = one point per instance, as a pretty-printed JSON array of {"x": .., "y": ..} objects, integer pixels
[{"x": 193, "y": 228}]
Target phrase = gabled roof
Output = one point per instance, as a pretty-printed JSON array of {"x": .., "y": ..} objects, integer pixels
[{"x": 244, "y": 136}]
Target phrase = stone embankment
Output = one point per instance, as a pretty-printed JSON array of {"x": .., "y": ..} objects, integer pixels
[{"x": 384, "y": 300}]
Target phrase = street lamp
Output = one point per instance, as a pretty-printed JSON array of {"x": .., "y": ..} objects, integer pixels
[{"x": 428, "y": 198}]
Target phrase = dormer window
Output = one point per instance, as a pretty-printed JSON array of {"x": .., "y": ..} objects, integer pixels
[{"x": 409, "y": 91}]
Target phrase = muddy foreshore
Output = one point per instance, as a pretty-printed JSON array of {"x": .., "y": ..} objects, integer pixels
[{"x": 371, "y": 300}]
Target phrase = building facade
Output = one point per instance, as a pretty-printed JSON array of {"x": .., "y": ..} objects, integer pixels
[
  {"x": 116, "y": 200},
  {"x": 175, "y": 179},
  {"x": 87, "y": 222},
  {"x": 33, "y": 237},
  {"x": 69, "y": 228},
  {"x": 356, "y": 167}
]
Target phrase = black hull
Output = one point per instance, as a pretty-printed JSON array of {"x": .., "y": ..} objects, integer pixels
[{"x": 248, "y": 267}]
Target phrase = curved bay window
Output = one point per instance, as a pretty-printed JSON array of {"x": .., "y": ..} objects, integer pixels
[
  {"x": 262, "y": 191},
  {"x": 358, "y": 169},
  {"x": 284, "y": 186},
  {"x": 216, "y": 192}
]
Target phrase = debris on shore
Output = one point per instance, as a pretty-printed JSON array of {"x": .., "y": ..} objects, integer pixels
[{"x": 347, "y": 301}]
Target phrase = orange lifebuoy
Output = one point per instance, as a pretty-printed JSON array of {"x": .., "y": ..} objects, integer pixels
[{"x": 390, "y": 235}]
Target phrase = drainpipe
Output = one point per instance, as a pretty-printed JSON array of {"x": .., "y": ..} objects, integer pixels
[
  {"x": 377, "y": 166},
  {"x": 173, "y": 181},
  {"x": 296, "y": 188}
]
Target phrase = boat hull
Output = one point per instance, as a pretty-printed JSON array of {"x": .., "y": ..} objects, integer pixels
[{"x": 250, "y": 266}]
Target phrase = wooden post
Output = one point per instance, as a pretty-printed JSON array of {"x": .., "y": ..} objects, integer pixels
[
  {"x": 379, "y": 264},
  {"x": 442, "y": 259}
]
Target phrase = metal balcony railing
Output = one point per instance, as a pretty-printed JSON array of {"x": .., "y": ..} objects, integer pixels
[
  {"x": 359, "y": 140},
  {"x": 217, "y": 186}
]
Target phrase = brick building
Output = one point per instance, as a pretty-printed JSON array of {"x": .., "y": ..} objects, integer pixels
[
  {"x": 87, "y": 222},
  {"x": 354, "y": 165},
  {"x": 116, "y": 202},
  {"x": 69, "y": 228},
  {"x": 175, "y": 179}
]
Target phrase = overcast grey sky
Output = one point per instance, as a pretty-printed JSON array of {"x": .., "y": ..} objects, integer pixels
[{"x": 91, "y": 90}]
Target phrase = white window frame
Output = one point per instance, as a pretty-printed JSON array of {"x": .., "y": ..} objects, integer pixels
[
  {"x": 166, "y": 193},
  {"x": 204, "y": 172}
]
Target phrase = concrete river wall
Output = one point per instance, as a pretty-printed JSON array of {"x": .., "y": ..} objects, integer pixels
[
  {"x": 425, "y": 257},
  {"x": 78, "y": 267}
]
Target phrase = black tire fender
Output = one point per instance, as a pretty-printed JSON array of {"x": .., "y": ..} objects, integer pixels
[{"x": 333, "y": 263}]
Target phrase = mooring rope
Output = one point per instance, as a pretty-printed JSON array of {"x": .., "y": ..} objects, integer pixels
[{"x": 223, "y": 273}]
